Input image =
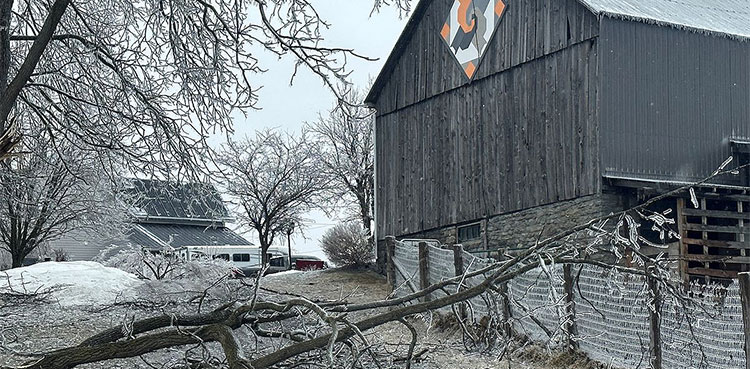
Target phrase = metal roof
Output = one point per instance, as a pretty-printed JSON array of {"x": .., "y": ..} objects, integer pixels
[
  {"x": 169, "y": 200},
  {"x": 157, "y": 236},
  {"x": 729, "y": 18}
]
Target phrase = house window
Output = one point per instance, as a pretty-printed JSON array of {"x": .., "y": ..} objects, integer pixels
[
  {"x": 222, "y": 256},
  {"x": 469, "y": 233},
  {"x": 241, "y": 257}
]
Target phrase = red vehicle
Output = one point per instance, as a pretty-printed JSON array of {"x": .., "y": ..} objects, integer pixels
[{"x": 304, "y": 262}]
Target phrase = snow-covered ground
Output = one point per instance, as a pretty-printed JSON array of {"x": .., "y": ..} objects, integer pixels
[{"x": 72, "y": 283}]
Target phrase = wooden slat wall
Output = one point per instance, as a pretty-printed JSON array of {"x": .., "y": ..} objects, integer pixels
[
  {"x": 522, "y": 134},
  {"x": 520, "y": 138},
  {"x": 530, "y": 29}
]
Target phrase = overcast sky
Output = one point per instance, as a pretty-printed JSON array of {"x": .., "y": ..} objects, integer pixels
[{"x": 289, "y": 107}]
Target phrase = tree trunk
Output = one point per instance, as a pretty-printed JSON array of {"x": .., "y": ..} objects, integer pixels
[
  {"x": 264, "y": 245},
  {"x": 5, "y": 12},
  {"x": 13, "y": 89},
  {"x": 364, "y": 208},
  {"x": 17, "y": 259},
  {"x": 19, "y": 250},
  {"x": 264, "y": 254}
]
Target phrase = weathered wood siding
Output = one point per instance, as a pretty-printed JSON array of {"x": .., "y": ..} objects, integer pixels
[
  {"x": 529, "y": 29},
  {"x": 671, "y": 100},
  {"x": 522, "y": 134}
]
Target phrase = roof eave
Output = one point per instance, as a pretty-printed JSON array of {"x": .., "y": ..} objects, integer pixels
[
  {"x": 661, "y": 23},
  {"x": 398, "y": 48},
  {"x": 221, "y": 222}
]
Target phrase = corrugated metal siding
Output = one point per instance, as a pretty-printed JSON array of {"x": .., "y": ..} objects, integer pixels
[{"x": 671, "y": 100}]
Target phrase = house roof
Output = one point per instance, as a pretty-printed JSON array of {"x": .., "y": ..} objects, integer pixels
[
  {"x": 174, "y": 202},
  {"x": 157, "y": 236},
  {"x": 728, "y": 18}
]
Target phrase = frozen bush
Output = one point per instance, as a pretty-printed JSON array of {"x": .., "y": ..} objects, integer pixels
[
  {"x": 162, "y": 265},
  {"x": 169, "y": 278},
  {"x": 347, "y": 244}
]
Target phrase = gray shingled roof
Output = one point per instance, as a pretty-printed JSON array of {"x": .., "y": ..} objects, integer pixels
[
  {"x": 729, "y": 18},
  {"x": 146, "y": 235}
]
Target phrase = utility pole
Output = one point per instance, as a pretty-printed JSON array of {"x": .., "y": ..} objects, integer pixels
[{"x": 289, "y": 231}]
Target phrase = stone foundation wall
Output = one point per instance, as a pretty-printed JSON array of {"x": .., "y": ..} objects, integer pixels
[{"x": 520, "y": 229}]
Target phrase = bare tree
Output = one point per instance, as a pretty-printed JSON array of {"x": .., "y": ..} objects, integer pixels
[
  {"x": 346, "y": 140},
  {"x": 274, "y": 180},
  {"x": 148, "y": 80},
  {"x": 48, "y": 193}
]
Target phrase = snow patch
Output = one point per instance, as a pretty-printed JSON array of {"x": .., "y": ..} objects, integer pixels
[
  {"x": 72, "y": 283},
  {"x": 284, "y": 273}
]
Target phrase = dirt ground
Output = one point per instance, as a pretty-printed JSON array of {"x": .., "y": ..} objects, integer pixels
[{"x": 443, "y": 344}]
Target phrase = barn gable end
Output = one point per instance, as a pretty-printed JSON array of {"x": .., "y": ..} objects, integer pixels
[
  {"x": 522, "y": 133},
  {"x": 421, "y": 65}
]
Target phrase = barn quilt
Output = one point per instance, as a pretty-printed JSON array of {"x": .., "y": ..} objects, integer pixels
[{"x": 469, "y": 28}]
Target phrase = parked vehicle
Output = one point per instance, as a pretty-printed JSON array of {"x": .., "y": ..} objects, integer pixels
[
  {"x": 307, "y": 262},
  {"x": 246, "y": 259}
]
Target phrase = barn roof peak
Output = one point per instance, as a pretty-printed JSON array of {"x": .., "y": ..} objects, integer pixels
[{"x": 726, "y": 18}]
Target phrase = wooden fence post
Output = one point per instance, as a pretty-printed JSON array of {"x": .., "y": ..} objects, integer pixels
[
  {"x": 458, "y": 259},
  {"x": 745, "y": 298},
  {"x": 458, "y": 265},
  {"x": 424, "y": 268},
  {"x": 654, "y": 316},
  {"x": 506, "y": 309},
  {"x": 571, "y": 328},
  {"x": 390, "y": 251}
]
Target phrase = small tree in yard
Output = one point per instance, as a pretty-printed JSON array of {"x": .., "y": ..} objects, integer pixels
[
  {"x": 273, "y": 179},
  {"x": 347, "y": 244},
  {"x": 345, "y": 138},
  {"x": 48, "y": 192}
]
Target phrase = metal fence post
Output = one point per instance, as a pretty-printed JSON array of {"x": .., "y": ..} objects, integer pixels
[
  {"x": 745, "y": 298},
  {"x": 571, "y": 329},
  {"x": 390, "y": 250},
  {"x": 424, "y": 268},
  {"x": 654, "y": 317}
]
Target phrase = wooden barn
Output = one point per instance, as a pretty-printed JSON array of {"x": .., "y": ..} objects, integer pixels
[{"x": 496, "y": 118}]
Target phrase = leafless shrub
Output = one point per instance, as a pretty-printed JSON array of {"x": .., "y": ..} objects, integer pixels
[
  {"x": 161, "y": 264},
  {"x": 347, "y": 244},
  {"x": 61, "y": 255}
]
